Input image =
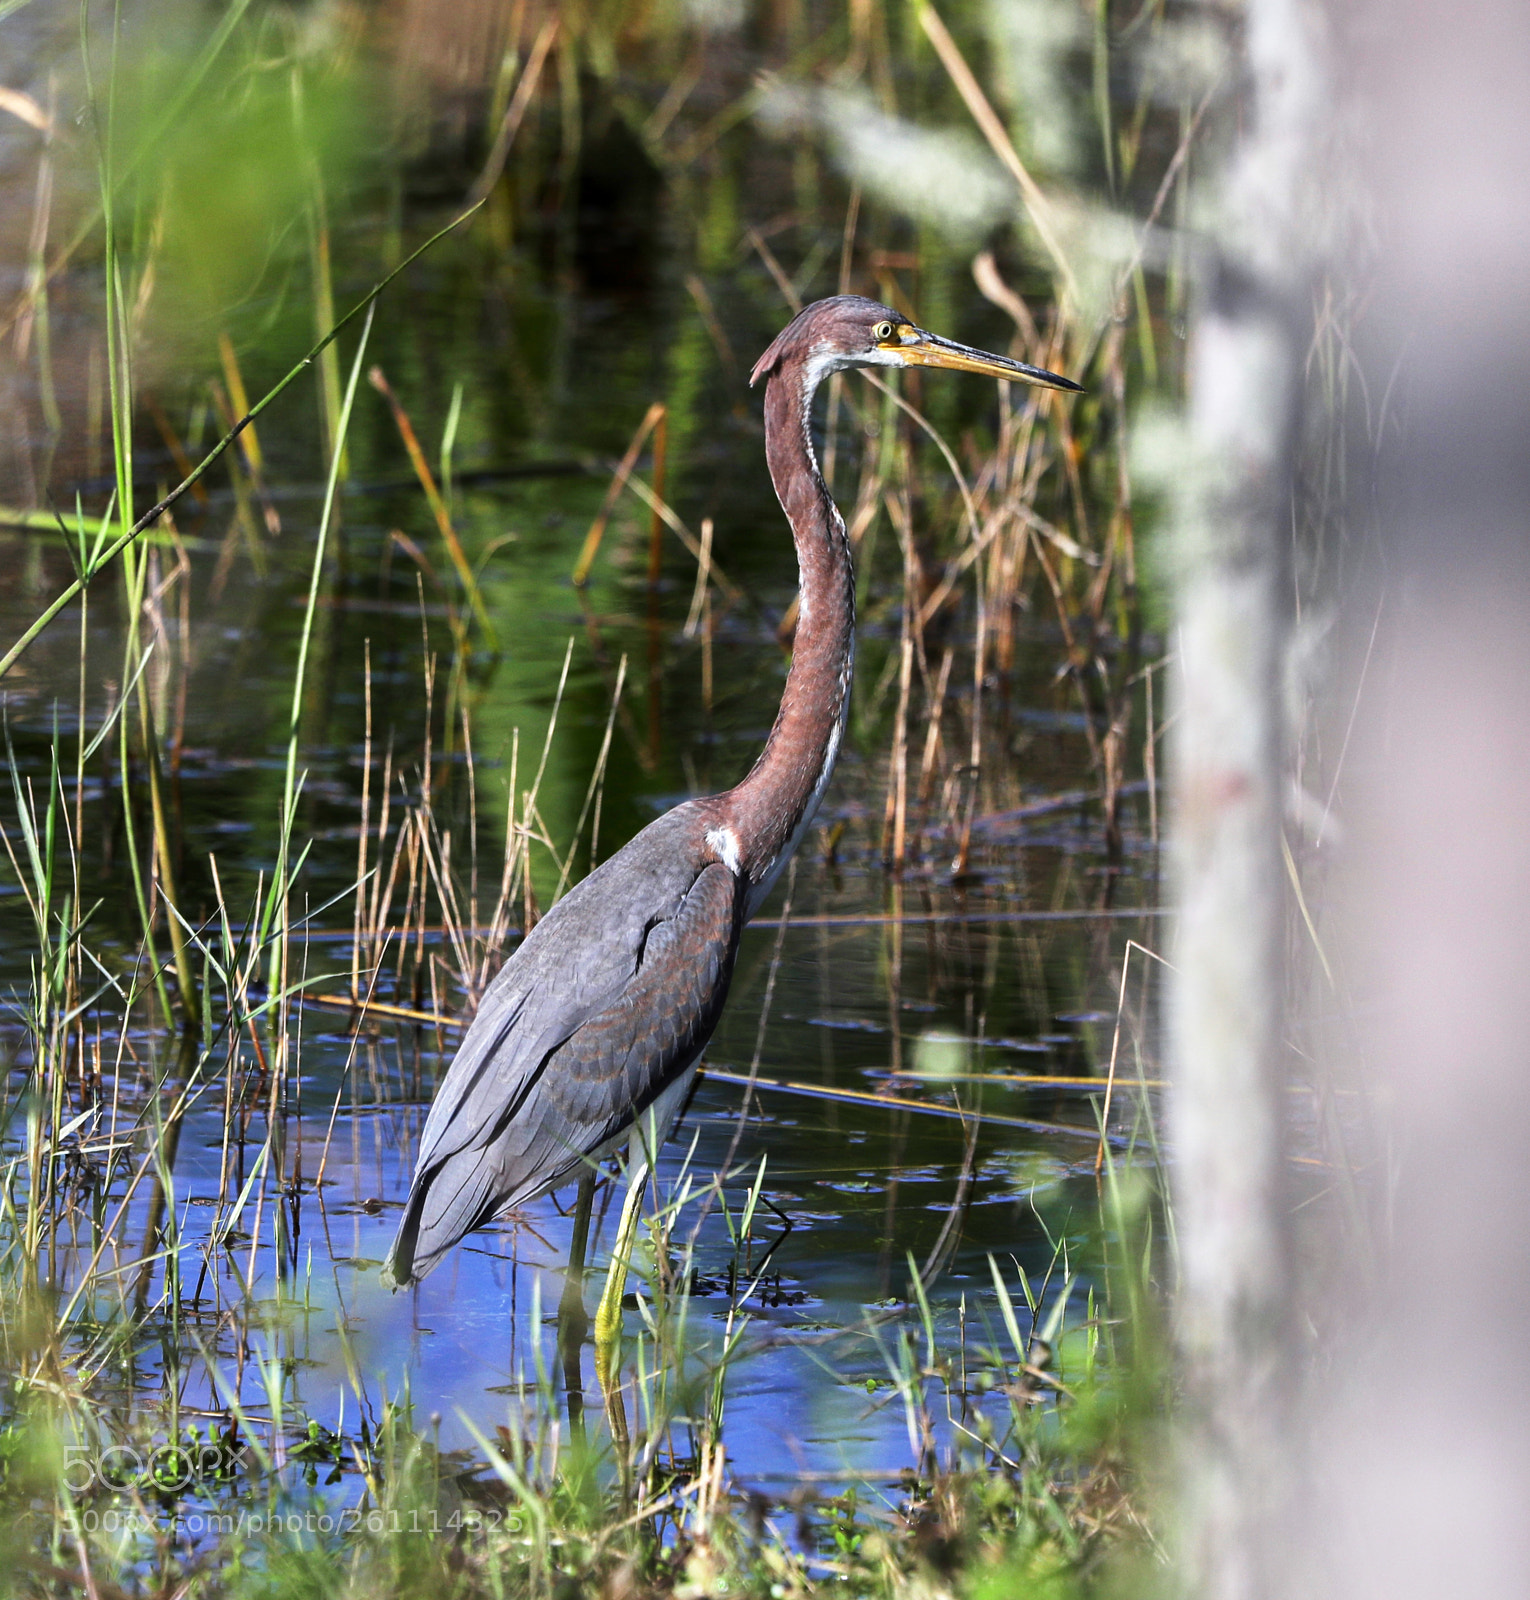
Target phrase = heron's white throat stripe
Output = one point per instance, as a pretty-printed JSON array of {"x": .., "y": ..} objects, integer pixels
[{"x": 725, "y": 842}]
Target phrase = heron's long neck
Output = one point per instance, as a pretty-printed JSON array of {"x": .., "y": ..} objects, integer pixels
[{"x": 772, "y": 807}]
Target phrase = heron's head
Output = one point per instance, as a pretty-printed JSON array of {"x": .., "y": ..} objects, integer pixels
[{"x": 848, "y": 330}]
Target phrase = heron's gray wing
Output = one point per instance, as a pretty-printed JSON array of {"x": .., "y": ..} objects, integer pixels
[
  {"x": 573, "y": 965},
  {"x": 602, "y": 1078},
  {"x": 592, "y": 1017}
]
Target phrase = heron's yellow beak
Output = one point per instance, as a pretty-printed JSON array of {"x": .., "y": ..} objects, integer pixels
[{"x": 921, "y": 349}]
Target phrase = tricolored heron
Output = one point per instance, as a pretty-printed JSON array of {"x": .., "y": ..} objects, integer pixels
[{"x": 590, "y": 1035}]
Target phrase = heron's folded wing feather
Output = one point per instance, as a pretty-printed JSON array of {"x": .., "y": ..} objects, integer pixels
[
  {"x": 590, "y": 1085},
  {"x": 611, "y": 1069},
  {"x": 573, "y": 964}
]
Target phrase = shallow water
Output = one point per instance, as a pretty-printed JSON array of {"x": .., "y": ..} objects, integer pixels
[{"x": 913, "y": 992}]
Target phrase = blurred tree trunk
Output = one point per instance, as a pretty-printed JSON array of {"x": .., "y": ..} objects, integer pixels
[
  {"x": 1232, "y": 528},
  {"x": 1419, "y": 1474}
]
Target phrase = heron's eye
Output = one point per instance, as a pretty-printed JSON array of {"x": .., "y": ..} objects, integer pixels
[{"x": 882, "y": 332}]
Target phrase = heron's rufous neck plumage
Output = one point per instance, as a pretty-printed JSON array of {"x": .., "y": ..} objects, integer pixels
[{"x": 771, "y": 808}]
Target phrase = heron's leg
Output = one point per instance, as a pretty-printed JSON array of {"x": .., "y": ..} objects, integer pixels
[
  {"x": 571, "y": 1315},
  {"x": 608, "y": 1317},
  {"x": 572, "y": 1321}
]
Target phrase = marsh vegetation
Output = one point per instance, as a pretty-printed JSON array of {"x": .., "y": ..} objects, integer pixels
[{"x": 495, "y": 576}]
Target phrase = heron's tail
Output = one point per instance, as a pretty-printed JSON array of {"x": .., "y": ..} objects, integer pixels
[
  {"x": 399, "y": 1270},
  {"x": 444, "y": 1205}
]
